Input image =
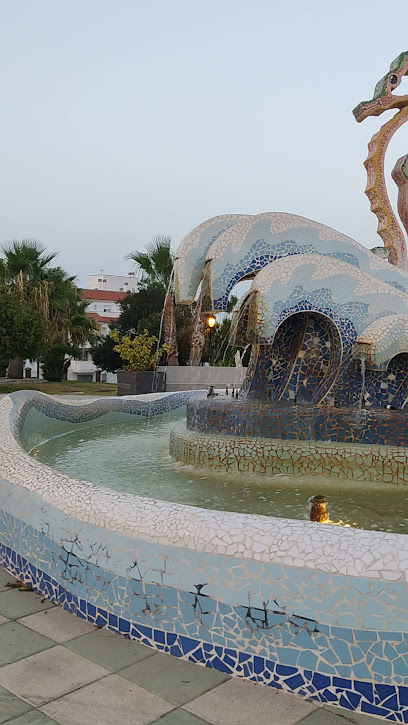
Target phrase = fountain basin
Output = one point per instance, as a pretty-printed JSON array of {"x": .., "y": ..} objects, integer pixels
[{"x": 314, "y": 609}]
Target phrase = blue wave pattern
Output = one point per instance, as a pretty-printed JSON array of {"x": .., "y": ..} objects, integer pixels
[{"x": 386, "y": 700}]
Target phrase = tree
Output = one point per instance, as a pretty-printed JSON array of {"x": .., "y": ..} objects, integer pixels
[
  {"x": 141, "y": 309},
  {"x": 25, "y": 270},
  {"x": 22, "y": 271},
  {"x": 22, "y": 328},
  {"x": 57, "y": 360},
  {"x": 104, "y": 355},
  {"x": 156, "y": 266}
]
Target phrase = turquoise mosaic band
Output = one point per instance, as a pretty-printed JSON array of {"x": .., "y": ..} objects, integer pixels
[{"x": 293, "y": 671}]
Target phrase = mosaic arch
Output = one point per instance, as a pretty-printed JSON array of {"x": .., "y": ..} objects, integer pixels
[{"x": 305, "y": 340}]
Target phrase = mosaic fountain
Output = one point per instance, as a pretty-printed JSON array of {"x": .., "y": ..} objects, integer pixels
[
  {"x": 318, "y": 610},
  {"x": 328, "y": 324}
]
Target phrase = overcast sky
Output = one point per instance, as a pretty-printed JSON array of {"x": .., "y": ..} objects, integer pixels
[{"x": 124, "y": 119}]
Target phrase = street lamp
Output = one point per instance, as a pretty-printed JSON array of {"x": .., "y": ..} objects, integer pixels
[{"x": 211, "y": 322}]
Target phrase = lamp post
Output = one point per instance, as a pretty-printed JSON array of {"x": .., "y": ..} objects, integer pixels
[{"x": 211, "y": 322}]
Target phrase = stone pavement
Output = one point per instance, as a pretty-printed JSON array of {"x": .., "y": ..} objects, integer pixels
[{"x": 56, "y": 668}]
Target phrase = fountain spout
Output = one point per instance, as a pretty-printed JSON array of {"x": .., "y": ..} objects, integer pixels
[{"x": 318, "y": 505}]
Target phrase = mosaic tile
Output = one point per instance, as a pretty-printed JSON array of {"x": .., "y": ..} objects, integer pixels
[{"x": 253, "y": 436}]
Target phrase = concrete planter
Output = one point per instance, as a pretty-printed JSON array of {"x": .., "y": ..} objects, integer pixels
[{"x": 140, "y": 382}]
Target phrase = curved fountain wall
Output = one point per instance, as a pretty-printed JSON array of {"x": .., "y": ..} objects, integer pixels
[{"x": 318, "y": 610}]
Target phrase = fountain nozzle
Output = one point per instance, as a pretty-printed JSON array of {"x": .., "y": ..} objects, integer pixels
[{"x": 318, "y": 505}]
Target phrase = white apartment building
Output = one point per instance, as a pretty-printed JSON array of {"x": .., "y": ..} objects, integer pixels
[{"x": 113, "y": 282}]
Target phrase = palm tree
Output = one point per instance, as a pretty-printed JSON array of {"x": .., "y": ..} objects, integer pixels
[
  {"x": 24, "y": 259},
  {"x": 156, "y": 267},
  {"x": 68, "y": 323},
  {"x": 24, "y": 269}
]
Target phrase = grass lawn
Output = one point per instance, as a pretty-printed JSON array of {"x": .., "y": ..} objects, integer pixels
[{"x": 66, "y": 386}]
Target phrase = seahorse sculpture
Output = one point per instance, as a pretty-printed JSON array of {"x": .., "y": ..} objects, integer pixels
[
  {"x": 319, "y": 302},
  {"x": 385, "y": 100}
]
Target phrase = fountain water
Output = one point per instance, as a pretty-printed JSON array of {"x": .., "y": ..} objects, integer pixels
[{"x": 363, "y": 367}]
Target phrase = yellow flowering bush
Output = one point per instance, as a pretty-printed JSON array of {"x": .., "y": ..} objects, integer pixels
[{"x": 141, "y": 353}]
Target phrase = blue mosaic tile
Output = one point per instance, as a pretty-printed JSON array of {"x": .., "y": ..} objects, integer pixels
[{"x": 364, "y": 696}]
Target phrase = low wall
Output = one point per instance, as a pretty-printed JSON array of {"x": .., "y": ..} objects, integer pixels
[
  {"x": 318, "y": 610},
  {"x": 269, "y": 456},
  {"x": 197, "y": 377}
]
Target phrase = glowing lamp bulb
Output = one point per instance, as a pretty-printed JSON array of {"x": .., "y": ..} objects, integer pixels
[{"x": 211, "y": 321}]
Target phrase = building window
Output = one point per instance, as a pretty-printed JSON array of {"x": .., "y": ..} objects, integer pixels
[
  {"x": 85, "y": 377},
  {"x": 100, "y": 280},
  {"x": 120, "y": 289},
  {"x": 95, "y": 307}
]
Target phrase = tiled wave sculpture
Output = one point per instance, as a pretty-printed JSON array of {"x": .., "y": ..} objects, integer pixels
[
  {"x": 327, "y": 319},
  {"x": 317, "y": 610}
]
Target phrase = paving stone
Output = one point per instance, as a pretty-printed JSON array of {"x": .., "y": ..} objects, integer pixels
[
  {"x": 237, "y": 702},
  {"x": 108, "y": 701},
  {"x": 3, "y": 620},
  {"x": 355, "y": 717},
  {"x": 176, "y": 680},
  {"x": 325, "y": 717},
  {"x": 180, "y": 717},
  {"x": 17, "y": 642},
  {"x": 57, "y": 624},
  {"x": 16, "y": 603},
  {"x": 11, "y": 706},
  {"x": 5, "y": 577},
  {"x": 34, "y": 717},
  {"x": 49, "y": 675},
  {"x": 112, "y": 651}
]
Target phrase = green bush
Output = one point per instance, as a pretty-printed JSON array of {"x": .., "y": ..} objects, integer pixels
[{"x": 57, "y": 360}]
